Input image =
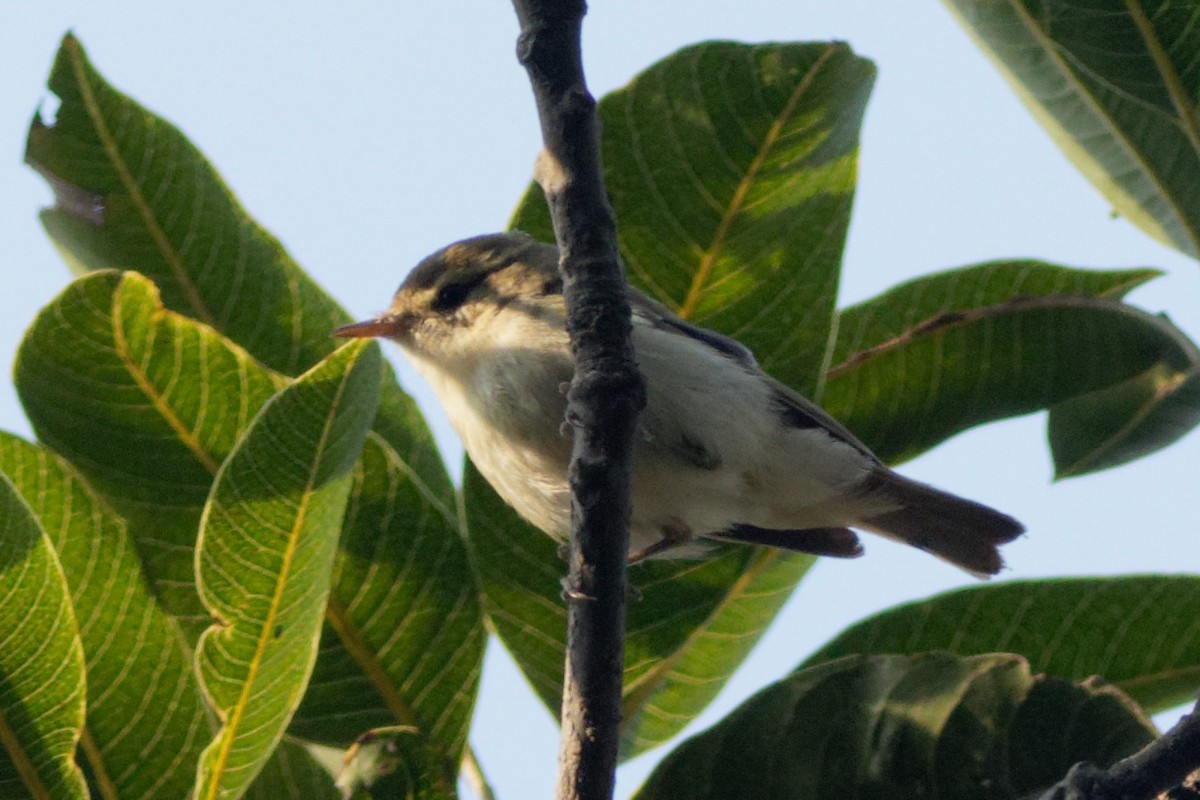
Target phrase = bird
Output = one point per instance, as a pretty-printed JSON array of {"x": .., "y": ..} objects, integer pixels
[{"x": 722, "y": 451}]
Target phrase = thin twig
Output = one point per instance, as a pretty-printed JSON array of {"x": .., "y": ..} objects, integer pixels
[{"x": 605, "y": 397}]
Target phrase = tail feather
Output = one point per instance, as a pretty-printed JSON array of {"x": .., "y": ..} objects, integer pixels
[{"x": 963, "y": 532}]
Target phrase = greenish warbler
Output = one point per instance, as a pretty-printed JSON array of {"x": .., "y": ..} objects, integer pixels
[{"x": 722, "y": 450}]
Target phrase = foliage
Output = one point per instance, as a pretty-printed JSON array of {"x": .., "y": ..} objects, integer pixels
[{"x": 234, "y": 547}]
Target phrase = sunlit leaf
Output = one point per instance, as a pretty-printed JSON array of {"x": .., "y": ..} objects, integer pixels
[
  {"x": 265, "y": 558},
  {"x": 1116, "y": 85},
  {"x": 1122, "y": 628},
  {"x": 146, "y": 723},
  {"x": 147, "y": 404},
  {"x": 732, "y": 169},
  {"x": 925, "y": 726},
  {"x": 405, "y": 639},
  {"x": 41, "y": 662},
  {"x": 155, "y": 205}
]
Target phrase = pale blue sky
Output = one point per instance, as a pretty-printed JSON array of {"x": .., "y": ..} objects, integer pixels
[{"x": 368, "y": 136}]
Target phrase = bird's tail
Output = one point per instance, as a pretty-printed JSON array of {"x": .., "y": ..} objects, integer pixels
[{"x": 963, "y": 532}]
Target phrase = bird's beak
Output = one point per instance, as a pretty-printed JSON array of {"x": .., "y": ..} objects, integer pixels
[{"x": 385, "y": 325}]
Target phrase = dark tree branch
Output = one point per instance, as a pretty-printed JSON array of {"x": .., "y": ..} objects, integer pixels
[
  {"x": 1159, "y": 767},
  {"x": 605, "y": 397}
]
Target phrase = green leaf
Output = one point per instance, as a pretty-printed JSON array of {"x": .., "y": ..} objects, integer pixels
[
  {"x": 1115, "y": 425},
  {"x": 406, "y": 637},
  {"x": 1062, "y": 723},
  {"x": 731, "y": 169},
  {"x": 930, "y": 725},
  {"x": 1115, "y": 85},
  {"x": 945, "y": 352},
  {"x": 146, "y": 723},
  {"x": 1126, "y": 629},
  {"x": 147, "y": 404},
  {"x": 265, "y": 557},
  {"x": 133, "y": 193},
  {"x": 41, "y": 662}
]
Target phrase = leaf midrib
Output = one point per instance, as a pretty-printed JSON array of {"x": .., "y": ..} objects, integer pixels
[
  {"x": 1170, "y": 78},
  {"x": 1131, "y": 685},
  {"x": 1099, "y": 112},
  {"x": 100, "y": 776},
  {"x": 156, "y": 398},
  {"x": 336, "y": 615},
  {"x": 109, "y": 143},
  {"x": 951, "y": 320},
  {"x": 265, "y": 634},
  {"x": 365, "y": 657},
  {"x": 641, "y": 690},
  {"x": 21, "y": 761},
  {"x": 736, "y": 202}
]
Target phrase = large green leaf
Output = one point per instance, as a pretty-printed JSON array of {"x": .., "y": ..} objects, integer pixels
[
  {"x": 1116, "y": 83},
  {"x": 133, "y": 193},
  {"x": 1125, "y": 629},
  {"x": 264, "y": 559},
  {"x": 147, "y": 404},
  {"x": 731, "y": 169},
  {"x": 1125, "y": 421},
  {"x": 949, "y": 351},
  {"x": 146, "y": 723},
  {"x": 42, "y": 692},
  {"x": 927, "y": 726},
  {"x": 406, "y": 638}
]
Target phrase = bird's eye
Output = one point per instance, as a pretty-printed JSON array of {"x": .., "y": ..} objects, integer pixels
[{"x": 452, "y": 295}]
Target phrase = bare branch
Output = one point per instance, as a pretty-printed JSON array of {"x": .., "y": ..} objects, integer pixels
[{"x": 605, "y": 397}]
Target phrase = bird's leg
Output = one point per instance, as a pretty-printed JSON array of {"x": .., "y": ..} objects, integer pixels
[{"x": 674, "y": 534}]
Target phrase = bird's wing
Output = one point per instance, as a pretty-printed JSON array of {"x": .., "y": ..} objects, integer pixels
[
  {"x": 800, "y": 412},
  {"x": 653, "y": 313},
  {"x": 795, "y": 410}
]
